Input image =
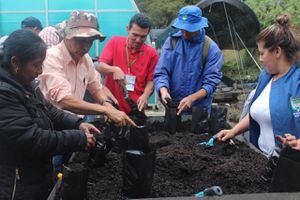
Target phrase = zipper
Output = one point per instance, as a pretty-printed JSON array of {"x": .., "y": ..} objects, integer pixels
[{"x": 17, "y": 177}]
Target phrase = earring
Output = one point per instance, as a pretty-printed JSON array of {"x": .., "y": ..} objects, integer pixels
[{"x": 17, "y": 69}]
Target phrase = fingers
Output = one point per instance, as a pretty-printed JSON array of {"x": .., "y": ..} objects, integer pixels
[
  {"x": 130, "y": 121},
  {"x": 182, "y": 106},
  {"x": 289, "y": 137},
  {"x": 141, "y": 105},
  {"x": 90, "y": 141},
  {"x": 224, "y": 135},
  {"x": 93, "y": 129},
  {"x": 280, "y": 139}
]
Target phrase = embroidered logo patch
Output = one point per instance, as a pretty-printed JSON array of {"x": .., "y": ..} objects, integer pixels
[{"x": 295, "y": 103}]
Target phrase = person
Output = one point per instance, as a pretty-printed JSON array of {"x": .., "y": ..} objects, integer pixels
[
  {"x": 31, "y": 129},
  {"x": 53, "y": 35},
  {"x": 275, "y": 108},
  {"x": 33, "y": 24},
  {"x": 68, "y": 71},
  {"x": 289, "y": 140},
  {"x": 131, "y": 59},
  {"x": 183, "y": 73}
]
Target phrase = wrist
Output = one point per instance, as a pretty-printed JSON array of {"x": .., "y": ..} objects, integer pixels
[{"x": 78, "y": 123}]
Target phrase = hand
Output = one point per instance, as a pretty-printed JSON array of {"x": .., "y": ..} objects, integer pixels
[
  {"x": 185, "y": 104},
  {"x": 119, "y": 76},
  {"x": 224, "y": 135},
  {"x": 90, "y": 141},
  {"x": 119, "y": 117},
  {"x": 289, "y": 140},
  {"x": 142, "y": 102},
  {"x": 89, "y": 129},
  {"x": 165, "y": 96}
]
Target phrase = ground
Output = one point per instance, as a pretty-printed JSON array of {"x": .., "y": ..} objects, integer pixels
[{"x": 183, "y": 167}]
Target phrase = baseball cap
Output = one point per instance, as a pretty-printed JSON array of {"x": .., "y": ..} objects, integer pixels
[{"x": 31, "y": 22}]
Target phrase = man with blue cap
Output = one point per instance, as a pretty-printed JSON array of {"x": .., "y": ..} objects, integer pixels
[{"x": 189, "y": 67}]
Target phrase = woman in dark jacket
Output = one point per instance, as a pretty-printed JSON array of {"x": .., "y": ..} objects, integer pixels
[{"x": 31, "y": 129}]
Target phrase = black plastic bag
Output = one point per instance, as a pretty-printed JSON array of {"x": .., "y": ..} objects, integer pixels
[
  {"x": 97, "y": 155},
  {"x": 74, "y": 185},
  {"x": 115, "y": 137},
  {"x": 200, "y": 120},
  {"x": 218, "y": 118},
  {"x": 287, "y": 173},
  {"x": 138, "y": 139},
  {"x": 172, "y": 120},
  {"x": 138, "y": 170}
]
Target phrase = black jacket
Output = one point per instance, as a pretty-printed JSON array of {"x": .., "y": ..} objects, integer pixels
[{"x": 31, "y": 132}]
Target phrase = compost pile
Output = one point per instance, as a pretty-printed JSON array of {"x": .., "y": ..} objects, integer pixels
[{"x": 183, "y": 167}]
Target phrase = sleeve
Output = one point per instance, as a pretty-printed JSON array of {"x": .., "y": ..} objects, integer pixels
[
  {"x": 152, "y": 64},
  {"x": 212, "y": 70},
  {"x": 53, "y": 81},
  {"x": 107, "y": 53},
  {"x": 22, "y": 135},
  {"x": 94, "y": 78},
  {"x": 61, "y": 120},
  {"x": 162, "y": 70}
]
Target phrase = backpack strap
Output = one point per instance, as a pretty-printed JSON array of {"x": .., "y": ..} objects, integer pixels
[
  {"x": 206, "y": 46},
  {"x": 205, "y": 49},
  {"x": 174, "y": 41}
]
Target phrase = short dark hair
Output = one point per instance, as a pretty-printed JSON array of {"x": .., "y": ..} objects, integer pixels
[
  {"x": 25, "y": 45},
  {"x": 31, "y": 22},
  {"x": 140, "y": 19}
]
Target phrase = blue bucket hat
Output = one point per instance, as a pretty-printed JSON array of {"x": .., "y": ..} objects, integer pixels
[{"x": 190, "y": 19}]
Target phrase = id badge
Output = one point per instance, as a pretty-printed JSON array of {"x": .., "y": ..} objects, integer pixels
[
  {"x": 295, "y": 103},
  {"x": 130, "y": 81}
]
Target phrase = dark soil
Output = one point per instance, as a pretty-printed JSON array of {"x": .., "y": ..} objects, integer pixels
[{"x": 183, "y": 167}]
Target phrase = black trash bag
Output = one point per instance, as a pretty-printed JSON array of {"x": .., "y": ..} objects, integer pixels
[
  {"x": 218, "y": 118},
  {"x": 138, "y": 139},
  {"x": 138, "y": 170},
  {"x": 139, "y": 117},
  {"x": 172, "y": 120},
  {"x": 115, "y": 137},
  {"x": 200, "y": 120},
  {"x": 287, "y": 173},
  {"x": 74, "y": 184},
  {"x": 269, "y": 169},
  {"x": 97, "y": 155}
]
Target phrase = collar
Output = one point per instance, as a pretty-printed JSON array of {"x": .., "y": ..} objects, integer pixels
[
  {"x": 142, "y": 49},
  {"x": 66, "y": 54}
]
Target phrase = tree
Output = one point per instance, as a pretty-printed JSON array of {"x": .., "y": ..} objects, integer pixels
[
  {"x": 267, "y": 10},
  {"x": 162, "y": 12}
]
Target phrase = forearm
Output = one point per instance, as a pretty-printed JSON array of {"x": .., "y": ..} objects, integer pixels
[
  {"x": 81, "y": 107},
  {"x": 148, "y": 89},
  {"x": 163, "y": 89},
  {"x": 100, "y": 96},
  {"x": 201, "y": 94},
  {"x": 242, "y": 126},
  {"x": 105, "y": 69}
]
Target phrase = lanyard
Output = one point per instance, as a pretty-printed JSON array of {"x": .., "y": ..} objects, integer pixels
[{"x": 129, "y": 64}]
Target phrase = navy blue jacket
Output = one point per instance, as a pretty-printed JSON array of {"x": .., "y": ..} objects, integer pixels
[{"x": 284, "y": 104}]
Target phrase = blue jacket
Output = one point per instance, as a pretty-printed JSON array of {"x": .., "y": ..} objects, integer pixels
[
  {"x": 284, "y": 104},
  {"x": 180, "y": 71}
]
